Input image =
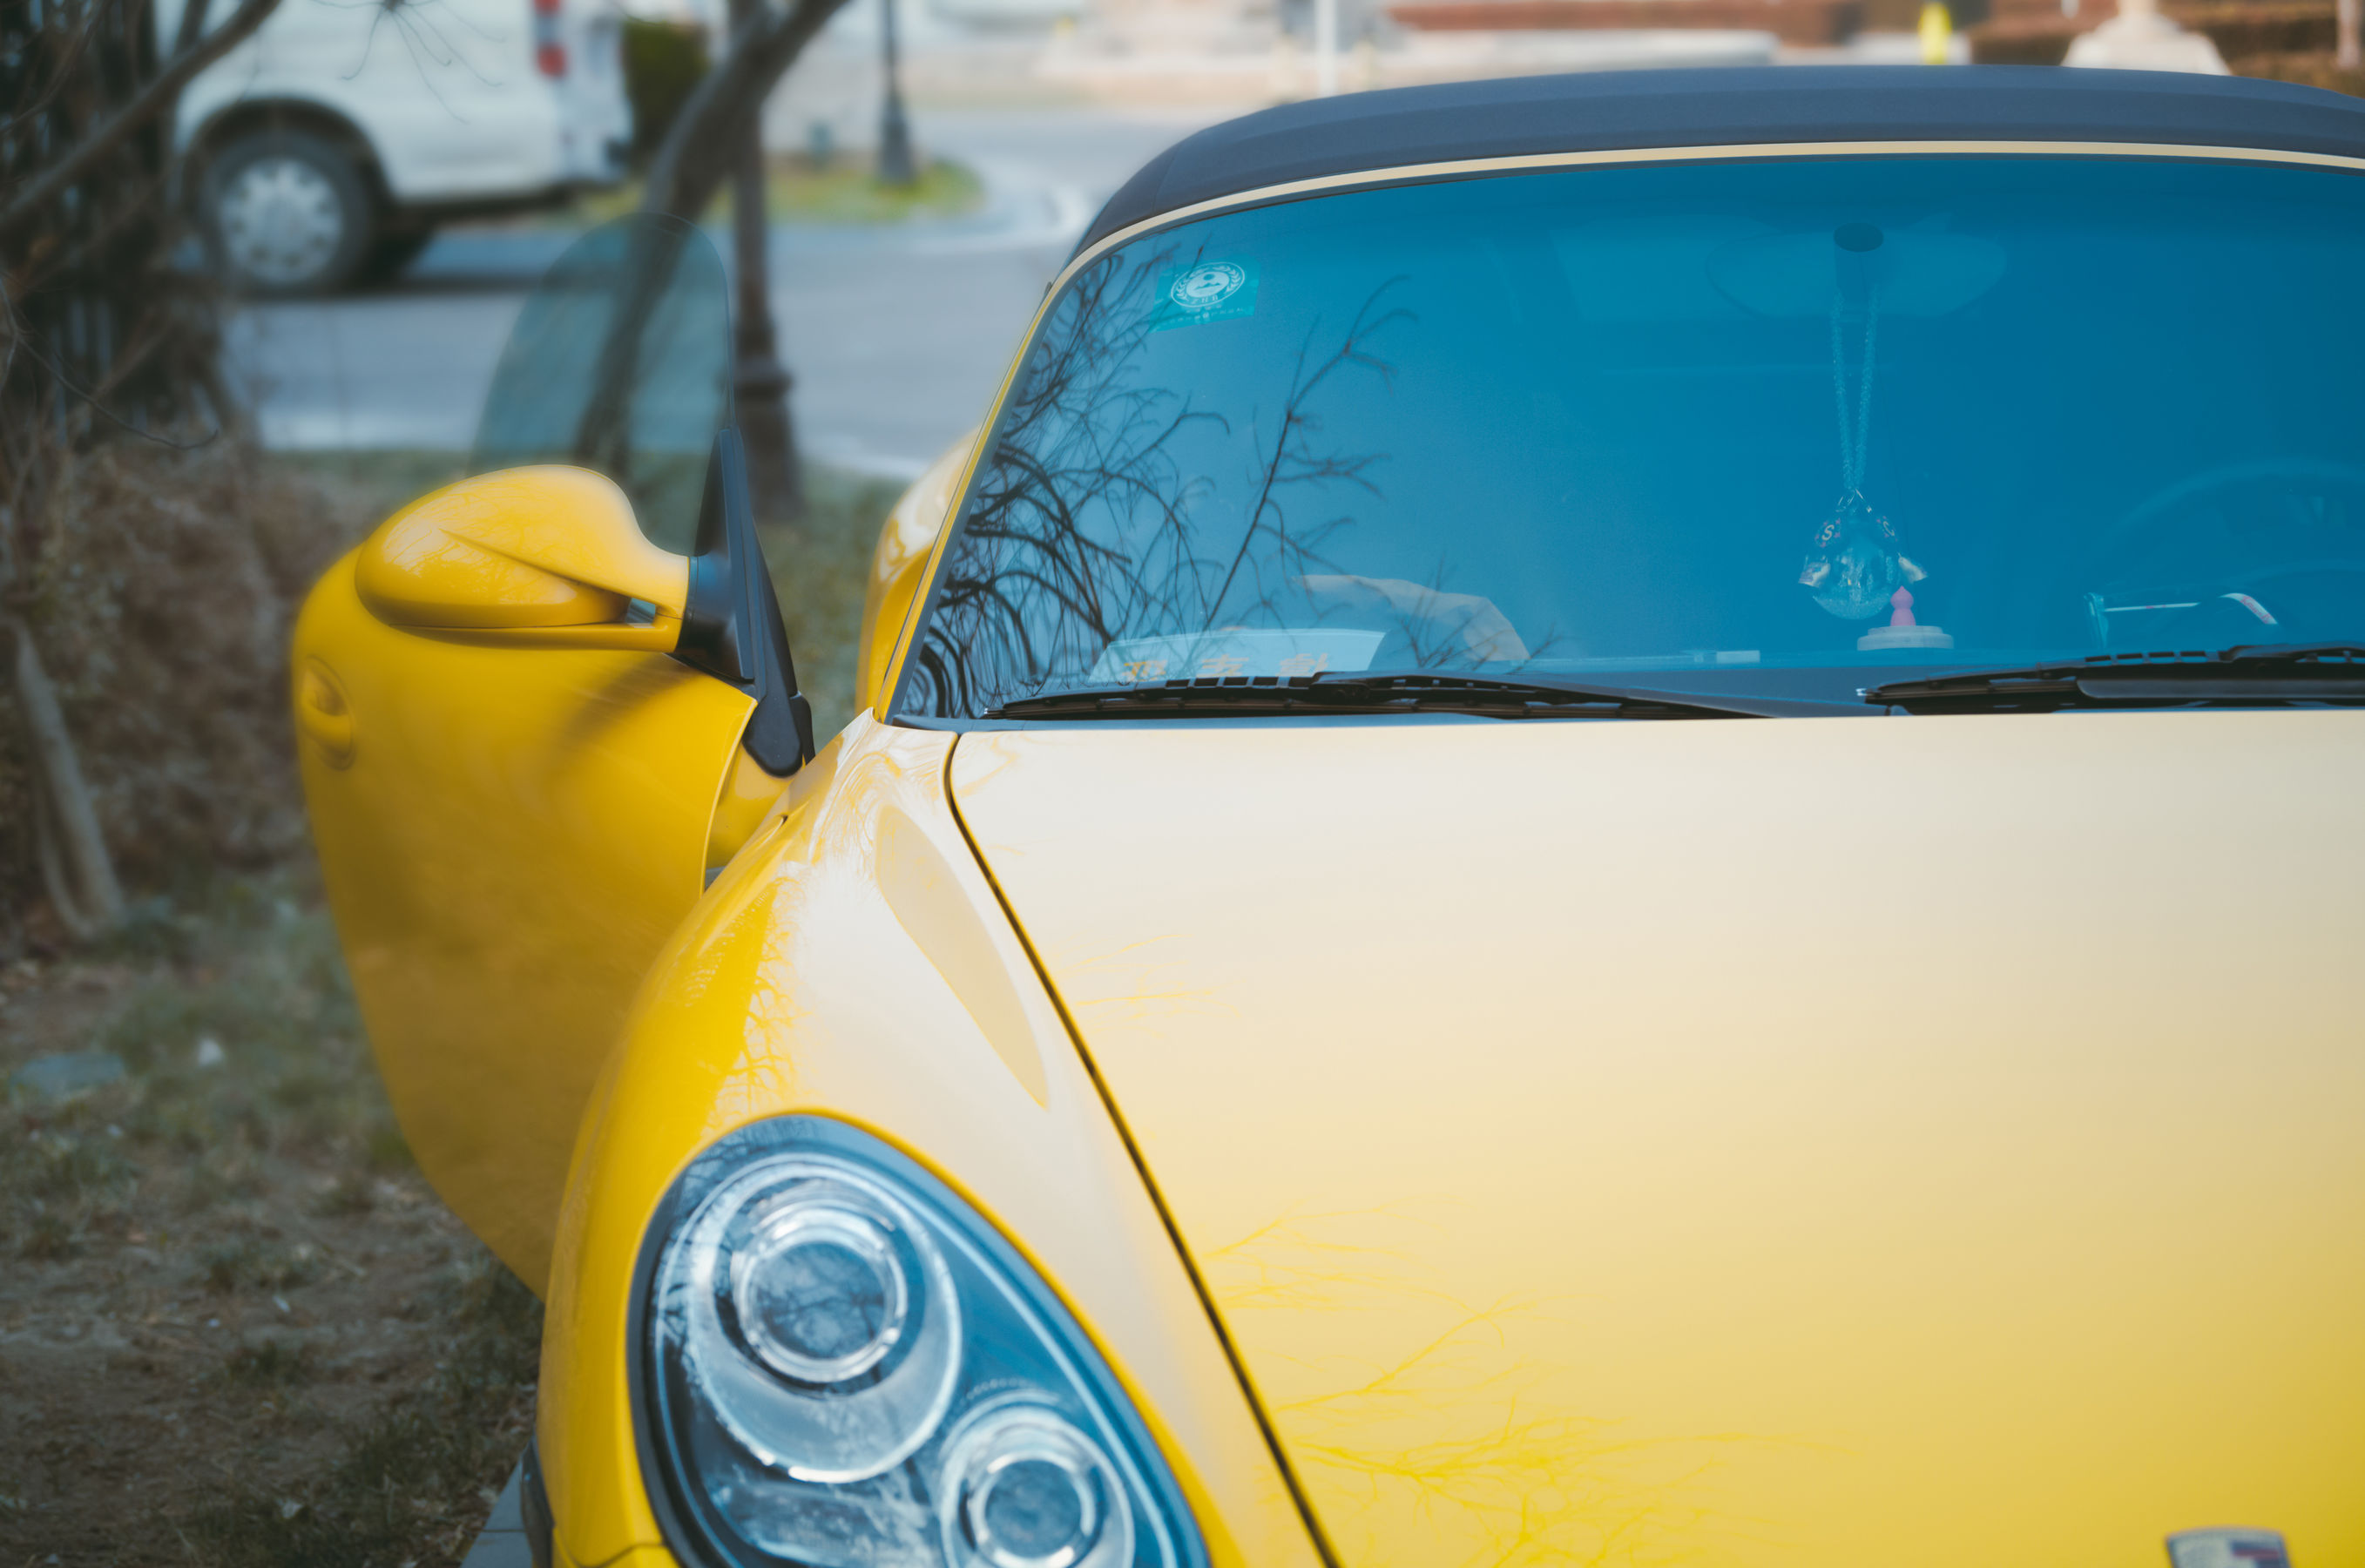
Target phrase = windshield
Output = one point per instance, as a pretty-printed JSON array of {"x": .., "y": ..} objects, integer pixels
[{"x": 1775, "y": 427}]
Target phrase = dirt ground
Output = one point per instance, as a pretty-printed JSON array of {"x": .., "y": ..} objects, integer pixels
[{"x": 223, "y": 1277}]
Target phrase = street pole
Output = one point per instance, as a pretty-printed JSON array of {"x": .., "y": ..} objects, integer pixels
[
  {"x": 1325, "y": 48},
  {"x": 895, "y": 164},
  {"x": 759, "y": 383}
]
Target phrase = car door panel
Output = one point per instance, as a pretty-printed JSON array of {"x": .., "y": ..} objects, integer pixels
[{"x": 507, "y": 837}]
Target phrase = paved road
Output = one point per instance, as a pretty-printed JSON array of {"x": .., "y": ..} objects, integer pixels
[{"x": 898, "y": 336}]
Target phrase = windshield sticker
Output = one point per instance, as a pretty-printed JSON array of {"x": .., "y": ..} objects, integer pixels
[
  {"x": 1233, "y": 651},
  {"x": 1204, "y": 292}
]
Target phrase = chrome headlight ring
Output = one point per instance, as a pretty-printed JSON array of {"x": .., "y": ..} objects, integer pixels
[{"x": 837, "y": 1363}]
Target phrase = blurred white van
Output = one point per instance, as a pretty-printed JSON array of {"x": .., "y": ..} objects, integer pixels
[{"x": 326, "y": 147}]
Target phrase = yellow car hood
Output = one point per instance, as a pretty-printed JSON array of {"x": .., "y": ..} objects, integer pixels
[{"x": 1822, "y": 1142}]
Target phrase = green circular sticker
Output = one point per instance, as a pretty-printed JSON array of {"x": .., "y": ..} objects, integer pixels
[
  {"x": 1201, "y": 292},
  {"x": 1206, "y": 285}
]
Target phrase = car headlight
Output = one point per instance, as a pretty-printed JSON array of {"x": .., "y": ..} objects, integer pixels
[{"x": 840, "y": 1365}]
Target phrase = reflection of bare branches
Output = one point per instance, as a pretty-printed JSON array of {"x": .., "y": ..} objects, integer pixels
[
  {"x": 422, "y": 39},
  {"x": 1085, "y": 526},
  {"x": 1423, "y": 1414},
  {"x": 1297, "y": 460},
  {"x": 652, "y": 256},
  {"x": 1494, "y": 1482},
  {"x": 1302, "y": 1262},
  {"x": 1077, "y": 444}
]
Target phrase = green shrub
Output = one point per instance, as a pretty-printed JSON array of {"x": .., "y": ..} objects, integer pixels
[{"x": 663, "y": 61}]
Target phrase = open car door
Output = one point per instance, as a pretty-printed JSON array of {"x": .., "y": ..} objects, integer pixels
[{"x": 520, "y": 702}]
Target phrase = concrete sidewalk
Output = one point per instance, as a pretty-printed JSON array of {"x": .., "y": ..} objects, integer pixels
[{"x": 502, "y": 1543}]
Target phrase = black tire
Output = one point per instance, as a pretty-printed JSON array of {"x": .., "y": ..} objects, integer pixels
[
  {"x": 286, "y": 212},
  {"x": 391, "y": 252}
]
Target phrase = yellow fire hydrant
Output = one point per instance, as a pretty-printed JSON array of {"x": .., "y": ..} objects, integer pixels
[{"x": 1937, "y": 31}]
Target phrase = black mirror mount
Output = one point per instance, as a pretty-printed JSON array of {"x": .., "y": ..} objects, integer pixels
[{"x": 730, "y": 628}]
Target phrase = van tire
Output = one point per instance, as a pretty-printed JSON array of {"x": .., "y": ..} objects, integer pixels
[{"x": 284, "y": 213}]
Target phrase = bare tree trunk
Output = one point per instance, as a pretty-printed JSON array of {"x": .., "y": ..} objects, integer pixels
[
  {"x": 897, "y": 166},
  {"x": 702, "y": 149},
  {"x": 55, "y": 881},
  {"x": 2346, "y": 13},
  {"x": 73, "y": 851},
  {"x": 759, "y": 382}
]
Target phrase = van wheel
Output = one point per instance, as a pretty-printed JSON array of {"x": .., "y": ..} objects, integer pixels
[{"x": 286, "y": 212}]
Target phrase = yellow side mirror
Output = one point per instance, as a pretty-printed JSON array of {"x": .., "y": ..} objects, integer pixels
[
  {"x": 536, "y": 557},
  {"x": 551, "y": 558}
]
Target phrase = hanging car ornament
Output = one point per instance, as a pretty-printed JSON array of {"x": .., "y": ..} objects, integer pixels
[{"x": 1854, "y": 564}]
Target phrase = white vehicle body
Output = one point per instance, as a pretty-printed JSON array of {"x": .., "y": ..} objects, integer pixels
[{"x": 443, "y": 106}]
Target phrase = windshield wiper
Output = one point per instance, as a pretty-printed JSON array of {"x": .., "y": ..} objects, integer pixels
[
  {"x": 1486, "y": 696},
  {"x": 2248, "y": 675}
]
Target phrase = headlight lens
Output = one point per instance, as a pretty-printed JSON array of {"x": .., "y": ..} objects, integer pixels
[{"x": 842, "y": 1366}]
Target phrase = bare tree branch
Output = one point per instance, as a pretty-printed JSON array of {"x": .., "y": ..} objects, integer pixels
[
  {"x": 1101, "y": 512},
  {"x": 192, "y": 24},
  {"x": 700, "y": 151},
  {"x": 160, "y": 93},
  {"x": 69, "y": 61}
]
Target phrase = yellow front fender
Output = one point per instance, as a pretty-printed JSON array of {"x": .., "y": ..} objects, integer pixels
[{"x": 854, "y": 961}]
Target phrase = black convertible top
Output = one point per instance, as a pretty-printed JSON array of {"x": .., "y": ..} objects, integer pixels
[{"x": 1604, "y": 111}]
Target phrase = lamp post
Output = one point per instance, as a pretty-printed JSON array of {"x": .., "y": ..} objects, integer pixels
[
  {"x": 895, "y": 164},
  {"x": 759, "y": 382}
]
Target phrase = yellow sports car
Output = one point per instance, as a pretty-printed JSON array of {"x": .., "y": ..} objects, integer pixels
[{"x": 1366, "y": 989}]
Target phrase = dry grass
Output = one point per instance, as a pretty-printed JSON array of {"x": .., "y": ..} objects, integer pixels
[
  {"x": 843, "y": 190},
  {"x": 820, "y": 567},
  {"x": 222, "y": 1272},
  {"x": 161, "y": 593},
  {"x": 414, "y": 1484}
]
